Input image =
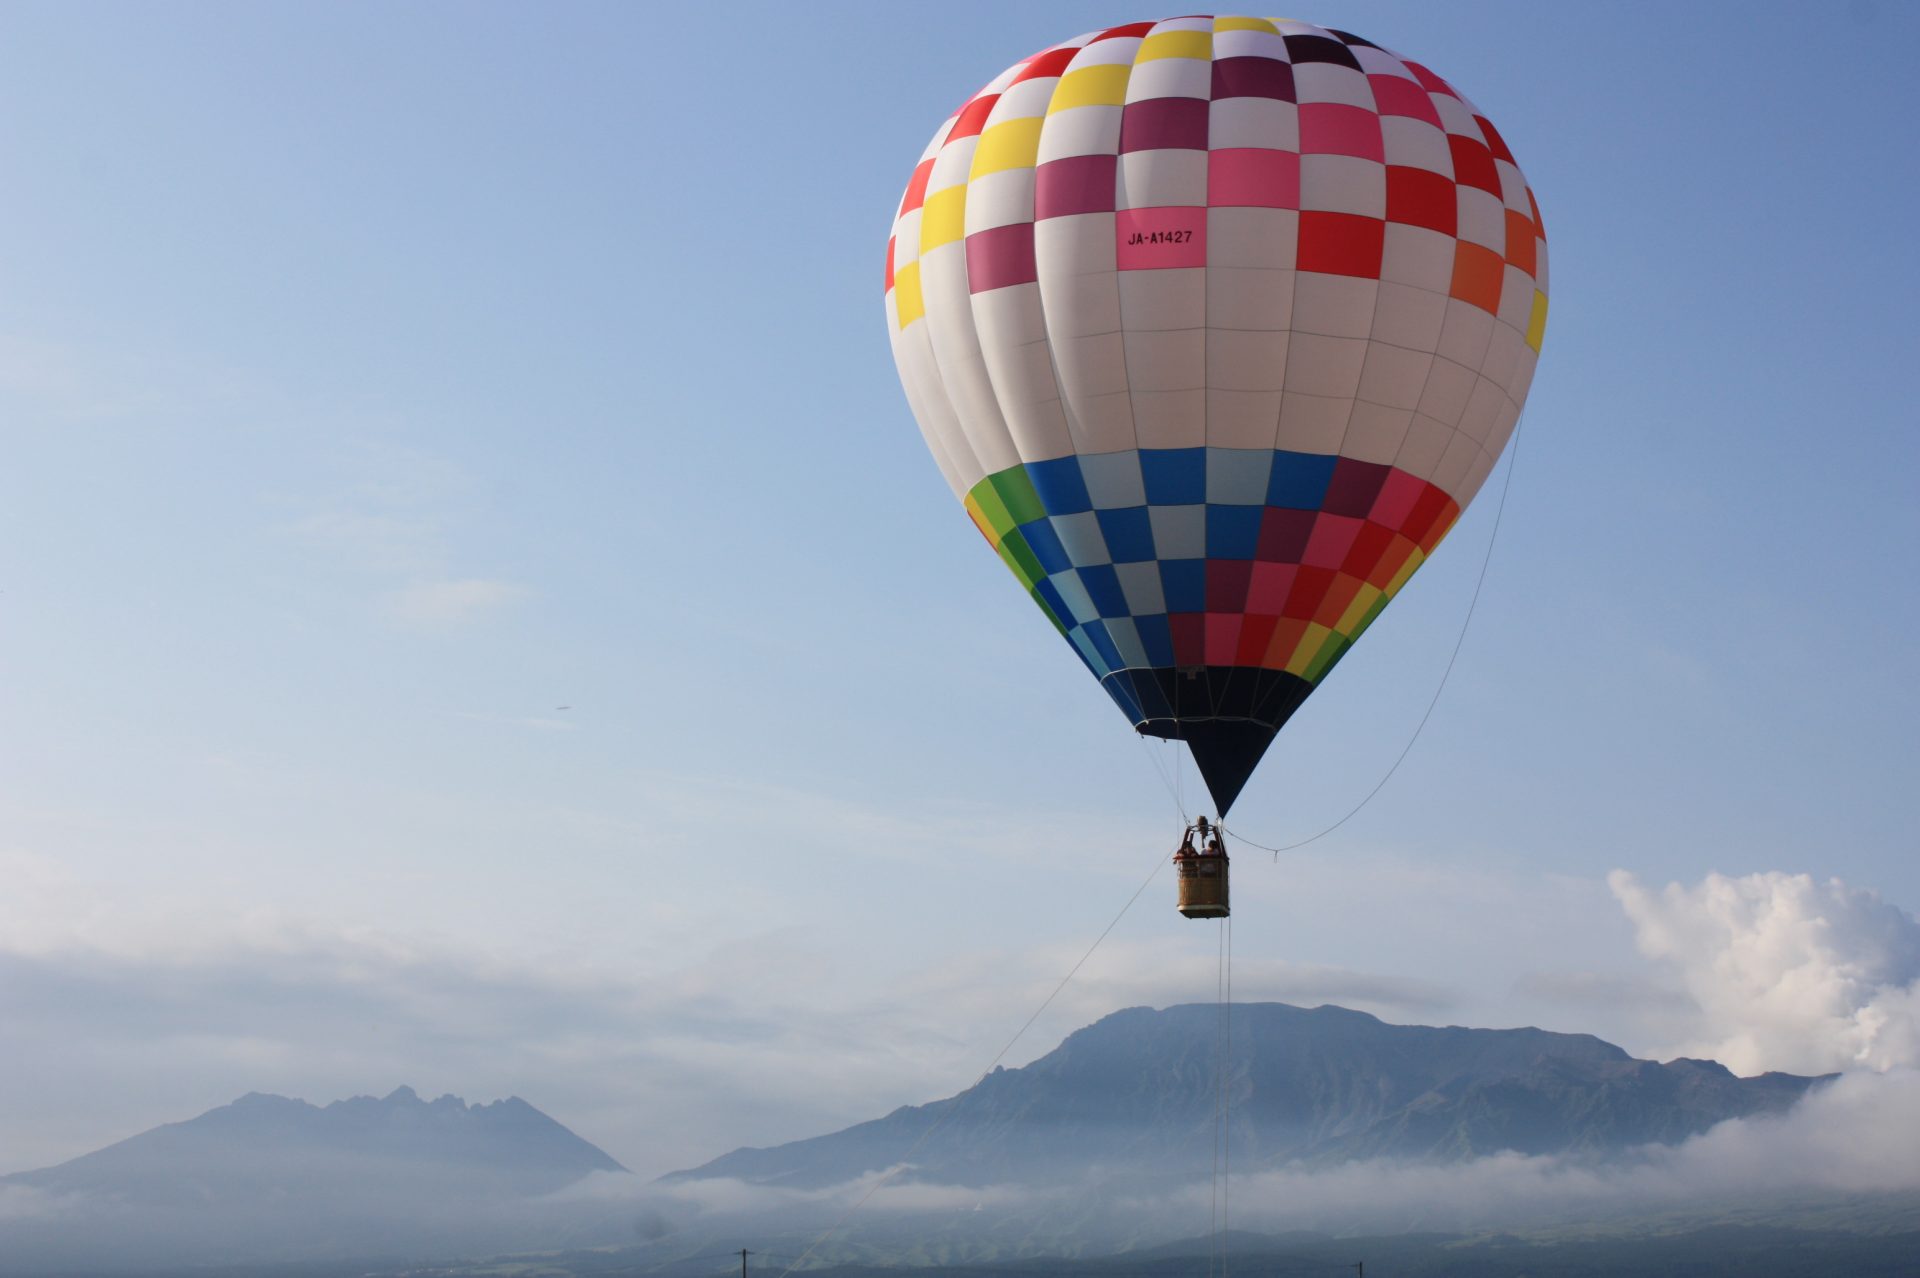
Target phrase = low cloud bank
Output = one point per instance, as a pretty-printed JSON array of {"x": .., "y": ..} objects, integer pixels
[
  {"x": 1788, "y": 973},
  {"x": 1851, "y": 1137}
]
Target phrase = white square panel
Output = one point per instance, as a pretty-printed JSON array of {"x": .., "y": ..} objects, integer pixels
[
  {"x": 1448, "y": 386},
  {"x": 1252, "y": 237},
  {"x": 1156, "y": 300},
  {"x": 1393, "y": 376},
  {"x": 1242, "y": 419},
  {"x": 1256, "y": 122},
  {"x": 1426, "y": 443},
  {"x": 1482, "y": 218},
  {"x": 1087, "y": 130},
  {"x": 1162, "y": 179},
  {"x": 1100, "y": 423},
  {"x": 1415, "y": 144},
  {"x": 1329, "y": 82},
  {"x": 1077, "y": 244},
  {"x": 1312, "y": 423},
  {"x": 1334, "y": 305},
  {"x": 1325, "y": 366},
  {"x": 1242, "y": 297},
  {"x": 1464, "y": 337},
  {"x": 1409, "y": 316},
  {"x": 1414, "y": 255},
  {"x": 1090, "y": 366},
  {"x": 1170, "y": 78},
  {"x": 1246, "y": 359},
  {"x": 1175, "y": 359},
  {"x": 1081, "y": 305},
  {"x": 1375, "y": 434},
  {"x": 1343, "y": 184},
  {"x": 1170, "y": 418}
]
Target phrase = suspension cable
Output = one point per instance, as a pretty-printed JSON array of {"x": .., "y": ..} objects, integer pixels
[
  {"x": 1160, "y": 859},
  {"x": 1513, "y": 457}
]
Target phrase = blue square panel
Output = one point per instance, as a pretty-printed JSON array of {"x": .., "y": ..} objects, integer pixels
[
  {"x": 1174, "y": 476},
  {"x": 1129, "y": 534},
  {"x": 1061, "y": 488},
  {"x": 1185, "y": 584},
  {"x": 1300, "y": 480},
  {"x": 1104, "y": 645},
  {"x": 1233, "y": 532},
  {"x": 1102, "y": 584},
  {"x": 1157, "y": 638},
  {"x": 1046, "y": 547}
]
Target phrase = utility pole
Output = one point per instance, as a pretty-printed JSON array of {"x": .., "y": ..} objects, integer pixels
[
  {"x": 744, "y": 1253},
  {"x": 1360, "y": 1269}
]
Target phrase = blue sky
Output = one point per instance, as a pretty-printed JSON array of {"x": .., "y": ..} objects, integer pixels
[{"x": 375, "y": 382}]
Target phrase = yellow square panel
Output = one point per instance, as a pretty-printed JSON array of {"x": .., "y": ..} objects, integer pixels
[
  {"x": 981, "y": 521},
  {"x": 907, "y": 302},
  {"x": 1245, "y": 24},
  {"x": 1307, "y": 649},
  {"x": 943, "y": 219},
  {"x": 1537, "y": 326},
  {"x": 1176, "y": 44},
  {"x": 1407, "y": 570},
  {"x": 1356, "y": 610},
  {"x": 1090, "y": 86},
  {"x": 1012, "y": 145}
]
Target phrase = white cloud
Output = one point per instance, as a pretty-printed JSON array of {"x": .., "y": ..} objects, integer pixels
[
  {"x": 451, "y": 603},
  {"x": 1788, "y": 974}
]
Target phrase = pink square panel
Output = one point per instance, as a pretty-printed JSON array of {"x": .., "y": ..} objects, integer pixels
[
  {"x": 1253, "y": 177},
  {"x": 1155, "y": 239}
]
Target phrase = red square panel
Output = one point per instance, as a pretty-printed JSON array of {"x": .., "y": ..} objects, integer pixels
[
  {"x": 1227, "y": 584},
  {"x": 916, "y": 188},
  {"x": 1309, "y": 588},
  {"x": 1255, "y": 634},
  {"x": 1189, "y": 633},
  {"x": 1397, "y": 96},
  {"x": 1473, "y": 164},
  {"x": 1367, "y": 549},
  {"x": 1478, "y": 274},
  {"x": 1223, "y": 638},
  {"x": 1341, "y": 244},
  {"x": 1418, "y": 197},
  {"x": 1052, "y": 62},
  {"x": 973, "y": 117},
  {"x": 1520, "y": 242},
  {"x": 1339, "y": 597}
]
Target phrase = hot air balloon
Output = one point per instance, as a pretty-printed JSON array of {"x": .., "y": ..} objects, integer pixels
[{"x": 1215, "y": 325}]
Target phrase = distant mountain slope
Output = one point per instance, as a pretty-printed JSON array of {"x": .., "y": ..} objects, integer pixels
[
  {"x": 264, "y": 1145},
  {"x": 271, "y": 1178},
  {"x": 1311, "y": 1086}
]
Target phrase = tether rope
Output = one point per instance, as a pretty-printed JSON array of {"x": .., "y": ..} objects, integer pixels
[
  {"x": 1513, "y": 457},
  {"x": 1160, "y": 859}
]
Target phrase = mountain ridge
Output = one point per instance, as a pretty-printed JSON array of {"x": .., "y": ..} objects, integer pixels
[{"x": 1307, "y": 1087}]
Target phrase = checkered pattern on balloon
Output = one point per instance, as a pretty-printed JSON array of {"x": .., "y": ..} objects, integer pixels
[{"x": 1215, "y": 325}]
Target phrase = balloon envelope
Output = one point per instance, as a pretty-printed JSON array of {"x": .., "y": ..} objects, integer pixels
[{"x": 1215, "y": 325}]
